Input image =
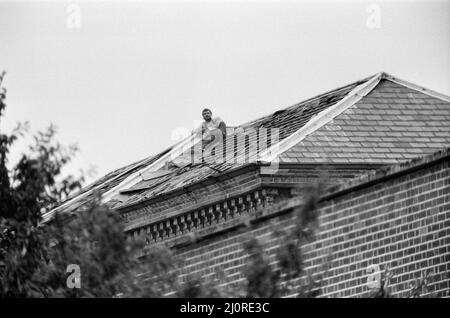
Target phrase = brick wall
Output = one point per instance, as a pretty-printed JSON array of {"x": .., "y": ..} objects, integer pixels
[{"x": 399, "y": 217}]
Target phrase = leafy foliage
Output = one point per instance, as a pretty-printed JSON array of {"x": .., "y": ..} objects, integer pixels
[
  {"x": 34, "y": 256},
  {"x": 282, "y": 277},
  {"x": 22, "y": 194},
  {"x": 384, "y": 291},
  {"x": 419, "y": 288},
  {"x": 110, "y": 266}
]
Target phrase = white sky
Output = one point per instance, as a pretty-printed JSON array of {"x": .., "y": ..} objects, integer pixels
[{"x": 134, "y": 72}]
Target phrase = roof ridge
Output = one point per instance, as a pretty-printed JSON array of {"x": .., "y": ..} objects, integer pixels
[{"x": 415, "y": 87}]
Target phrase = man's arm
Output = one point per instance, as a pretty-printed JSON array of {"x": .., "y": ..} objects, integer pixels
[{"x": 223, "y": 128}]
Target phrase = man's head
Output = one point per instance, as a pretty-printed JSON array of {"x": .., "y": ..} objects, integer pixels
[{"x": 206, "y": 113}]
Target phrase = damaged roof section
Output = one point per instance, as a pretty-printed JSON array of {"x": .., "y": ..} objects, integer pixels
[
  {"x": 292, "y": 118},
  {"x": 286, "y": 121},
  {"x": 97, "y": 188}
]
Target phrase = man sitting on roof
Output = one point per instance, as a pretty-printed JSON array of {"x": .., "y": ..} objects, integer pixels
[{"x": 209, "y": 126}]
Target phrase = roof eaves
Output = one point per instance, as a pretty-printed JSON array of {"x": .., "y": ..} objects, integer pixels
[
  {"x": 415, "y": 87},
  {"x": 95, "y": 188}
]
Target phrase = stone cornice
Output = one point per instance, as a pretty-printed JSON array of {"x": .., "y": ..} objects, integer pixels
[
  {"x": 243, "y": 221},
  {"x": 205, "y": 218},
  {"x": 386, "y": 173}
]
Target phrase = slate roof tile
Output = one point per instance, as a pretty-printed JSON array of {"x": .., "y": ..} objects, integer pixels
[{"x": 392, "y": 120}]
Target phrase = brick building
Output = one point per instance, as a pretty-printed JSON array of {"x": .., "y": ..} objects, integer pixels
[{"x": 382, "y": 143}]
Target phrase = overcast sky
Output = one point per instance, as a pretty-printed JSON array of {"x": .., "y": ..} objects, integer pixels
[{"x": 120, "y": 79}]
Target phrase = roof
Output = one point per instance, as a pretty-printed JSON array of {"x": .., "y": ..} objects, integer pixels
[
  {"x": 391, "y": 124},
  {"x": 379, "y": 119}
]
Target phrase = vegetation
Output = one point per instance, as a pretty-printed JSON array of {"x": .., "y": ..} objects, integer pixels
[{"x": 417, "y": 289}]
